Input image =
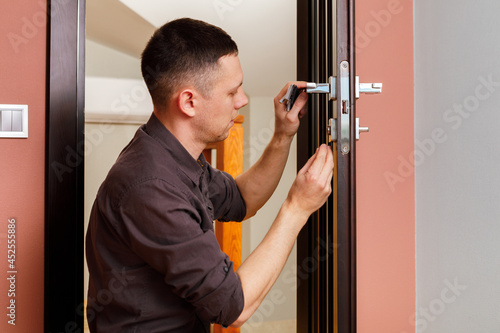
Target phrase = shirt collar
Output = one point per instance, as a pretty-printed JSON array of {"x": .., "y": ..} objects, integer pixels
[{"x": 187, "y": 164}]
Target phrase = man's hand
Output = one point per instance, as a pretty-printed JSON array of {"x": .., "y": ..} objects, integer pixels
[
  {"x": 312, "y": 186},
  {"x": 258, "y": 183},
  {"x": 287, "y": 122}
]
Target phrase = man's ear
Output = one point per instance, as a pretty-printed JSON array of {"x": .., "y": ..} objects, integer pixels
[{"x": 186, "y": 102}]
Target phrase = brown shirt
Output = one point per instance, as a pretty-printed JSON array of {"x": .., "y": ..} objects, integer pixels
[{"x": 154, "y": 262}]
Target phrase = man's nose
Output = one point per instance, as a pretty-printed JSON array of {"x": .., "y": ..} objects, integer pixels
[{"x": 242, "y": 100}]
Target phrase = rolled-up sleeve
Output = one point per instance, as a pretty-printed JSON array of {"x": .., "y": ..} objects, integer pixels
[
  {"x": 228, "y": 203},
  {"x": 162, "y": 226}
]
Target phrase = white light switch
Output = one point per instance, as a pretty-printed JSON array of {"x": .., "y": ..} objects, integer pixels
[
  {"x": 13, "y": 121},
  {"x": 6, "y": 120},
  {"x": 17, "y": 121}
]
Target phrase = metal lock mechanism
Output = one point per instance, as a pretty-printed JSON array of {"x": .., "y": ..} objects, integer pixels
[{"x": 341, "y": 132}]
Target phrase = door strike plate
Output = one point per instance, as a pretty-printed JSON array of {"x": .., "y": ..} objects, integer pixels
[
  {"x": 345, "y": 105},
  {"x": 339, "y": 129}
]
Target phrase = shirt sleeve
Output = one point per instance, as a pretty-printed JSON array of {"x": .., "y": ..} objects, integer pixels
[
  {"x": 228, "y": 203},
  {"x": 161, "y": 226}
]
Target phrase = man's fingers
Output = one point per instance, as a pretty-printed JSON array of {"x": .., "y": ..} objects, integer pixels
[
  {"x": 310, "y": 161},
  {"x": 302, "y": 113},
  {"x": 319, "y": 162},
  {"x": 328, "y": 179},
  {"x": 327, "y": 171},
  {"x": 299, "y": 104},
  {"x": 320, "y": 165},
  {"x": 299, "y": 84}
]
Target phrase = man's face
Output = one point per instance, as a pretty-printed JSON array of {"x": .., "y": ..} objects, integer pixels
[{"x": 220, "y": 108}]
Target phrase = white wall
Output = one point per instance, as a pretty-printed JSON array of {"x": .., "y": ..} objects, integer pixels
[
  {"x": 457, "y": 48},
  {"x": 107, "y": 62},
  {"x": 119, "y": 99}
]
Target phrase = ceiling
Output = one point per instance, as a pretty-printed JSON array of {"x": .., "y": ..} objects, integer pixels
[{"x": 264, "y": 30}]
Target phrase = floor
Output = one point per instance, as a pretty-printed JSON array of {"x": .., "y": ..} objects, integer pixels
[{"x": 283, "y": 326}]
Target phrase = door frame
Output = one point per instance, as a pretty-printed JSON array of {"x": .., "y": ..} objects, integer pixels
[
  {"x": 64, "y": 166},
  {"x": 326, "y": 247},
  {"x": 64, "y": 203}
]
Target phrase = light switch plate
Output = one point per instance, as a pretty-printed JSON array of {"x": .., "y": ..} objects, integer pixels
[{"x": 13, "y": 121}]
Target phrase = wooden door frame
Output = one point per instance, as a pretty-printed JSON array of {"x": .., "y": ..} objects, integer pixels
[
  {"x": 64, "y": 166},
  {"x": 326, "y": 247}
]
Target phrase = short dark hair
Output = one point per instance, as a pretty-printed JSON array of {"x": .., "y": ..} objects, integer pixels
[{"x": 184, "y": 51}]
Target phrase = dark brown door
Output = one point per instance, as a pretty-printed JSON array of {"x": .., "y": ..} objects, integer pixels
[
  {"x": 63, "y": 309},
  {"x": 326, "y": 262}
]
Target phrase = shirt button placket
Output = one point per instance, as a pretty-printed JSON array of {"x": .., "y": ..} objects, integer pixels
[{"x": 206, "y": 197}]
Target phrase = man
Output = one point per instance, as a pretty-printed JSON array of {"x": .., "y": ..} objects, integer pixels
[{"x": 154, "y": 262}]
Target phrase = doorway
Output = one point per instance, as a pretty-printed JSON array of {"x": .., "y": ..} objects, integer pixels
[{"x": 112, "y": 118}]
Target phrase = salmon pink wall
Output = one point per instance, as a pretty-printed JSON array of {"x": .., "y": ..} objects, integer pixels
[
  {"x": 22, "y": 81},
  {"x": 386, "y": 188}
]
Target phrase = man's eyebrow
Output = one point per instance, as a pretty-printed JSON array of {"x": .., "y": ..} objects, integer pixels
[{"x": 239, "y": 85}]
